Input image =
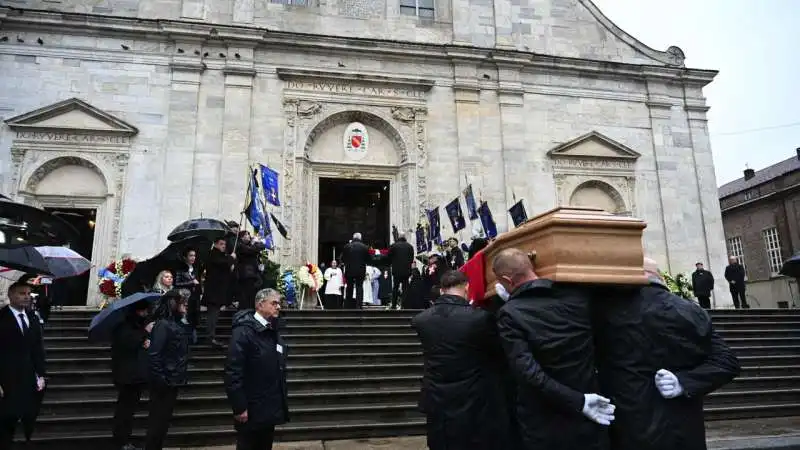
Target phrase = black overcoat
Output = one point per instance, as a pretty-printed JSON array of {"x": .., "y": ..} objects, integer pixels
[
  {"x": 355, "y": 257},
  {"x": 641, "y": 332},
  {"x": 218, "y": 279},
  {"x": 22, "y": 360},
  {"x": 168, "y": 354},
  {"x": 129, "y": 361},
  {"x": 702, "y": 282},
  {"x": 546, "y": 333},
  {"x": 401, "y": 255},
  {"x": 461, "y": 393},
  {"x": 255, "y": 372}
]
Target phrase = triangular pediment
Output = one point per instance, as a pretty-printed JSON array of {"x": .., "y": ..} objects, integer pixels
[
  {"x": 71, "y": 115},
  {"x": 595, "y": 146}
]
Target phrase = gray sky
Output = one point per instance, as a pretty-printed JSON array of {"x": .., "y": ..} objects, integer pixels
[{"x": 755, "y": 44}]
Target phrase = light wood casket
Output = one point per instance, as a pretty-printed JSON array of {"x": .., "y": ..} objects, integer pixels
[{"x": 577, "y": 245}]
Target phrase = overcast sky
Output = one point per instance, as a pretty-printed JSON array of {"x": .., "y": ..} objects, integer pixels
[{"x": 755, "y": 44}]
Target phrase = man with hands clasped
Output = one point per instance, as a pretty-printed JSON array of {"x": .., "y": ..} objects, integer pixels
[{"x": 255, "y": 373}]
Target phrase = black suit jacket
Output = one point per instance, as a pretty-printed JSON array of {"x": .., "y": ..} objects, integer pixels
[
  {"x": 401, "y": 255},
  {"x": 355, "y": 257},
  {"x": 22, "y": 359}
]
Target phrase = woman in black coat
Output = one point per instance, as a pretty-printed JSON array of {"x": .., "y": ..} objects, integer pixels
[
  {"x": 129, "y": 367},
  {"x": 415, "y": 299},
  {"x": 186, "y": 277},
  {"x": 168, "y": 357}
]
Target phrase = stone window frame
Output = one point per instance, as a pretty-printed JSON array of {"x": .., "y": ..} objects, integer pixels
[
  {"x": 736, "y": 249},
  {"x": 772, "y": 245},
  {"x": 413, "y": 8}
]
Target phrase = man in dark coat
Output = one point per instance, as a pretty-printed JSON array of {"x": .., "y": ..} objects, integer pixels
[
  {"x": 547, "y": 337},
  {"x": 247, "y": 254},
  {"x": 129, "y": 369},
  {"x": 355, "y": 257},
  {"x": 658, "y": 356},
  {"x": 216, "y": 288},
  {"x": 461, "y": 395},
  {"x": 735, "y": 275},
  {"x": 22, "y": 372},
  {"x": 168, "y": 358},
  {"x": 702, "y": 285},
  {"x": 255, "y": 373},
  {"x": 401, "y": 255}
]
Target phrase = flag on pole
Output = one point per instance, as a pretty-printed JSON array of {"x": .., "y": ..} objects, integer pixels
[
  {"x": 422, "y": 246},
  {"x": 518, "y": 214},
  {"x": 434, "y": 225},
  {"x": 280, "y": 227},
  {"x": 395, "y": 233},
  {"x": 487, "y": 221},
  {"x": 269, "y": 178},
  {"x": 255, "y": 209},
  {"x": 455, "y": 214},
  {"x": 472, "y": 208}
]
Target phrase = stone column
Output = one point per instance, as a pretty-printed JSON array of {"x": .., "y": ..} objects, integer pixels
[
  {"x": 716, "y": 253},
  {"x": 290, "y": 253},
  {"x": 234, "y": 173},
  {"x": 179, "y": 151},
  {"x": 516, "y": 169}
]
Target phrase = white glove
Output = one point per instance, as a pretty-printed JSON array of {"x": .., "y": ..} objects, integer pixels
[
  {"x": 598, "y": 409},
  {"x": 501, "y": 291},
  {"x": 668, "y": 384}
]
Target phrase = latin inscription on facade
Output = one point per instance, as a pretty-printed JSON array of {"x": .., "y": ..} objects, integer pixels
[
  {"x": 343, "y": 87},
  {"x": 78, "y": 138},
  {"x": 593, "y": 163}
]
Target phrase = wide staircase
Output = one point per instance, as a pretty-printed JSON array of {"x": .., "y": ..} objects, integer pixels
[{"x": 356, "y": 374}]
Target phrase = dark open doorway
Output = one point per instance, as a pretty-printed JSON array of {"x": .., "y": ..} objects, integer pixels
[
  {"x": 72, "y": 291},
  {"x": 350, "y": 206}
]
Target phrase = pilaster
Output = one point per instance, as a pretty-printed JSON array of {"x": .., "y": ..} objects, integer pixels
[{"x": 516, "y": 171}]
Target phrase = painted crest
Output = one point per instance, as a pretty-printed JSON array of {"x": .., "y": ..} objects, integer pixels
[{"x": 356, "y": 141}]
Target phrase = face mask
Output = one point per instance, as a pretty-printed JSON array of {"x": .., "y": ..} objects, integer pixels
[{"x": 501, "y": 291}]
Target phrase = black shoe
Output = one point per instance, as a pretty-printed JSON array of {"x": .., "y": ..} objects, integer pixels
[{"x": 217, "y": 344}]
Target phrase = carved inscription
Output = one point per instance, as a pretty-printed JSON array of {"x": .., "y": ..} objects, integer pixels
[
  {"x": 593, "y": 163},
  {"x": 343, "y": 87},
  {"x": 46, "y": 136}
]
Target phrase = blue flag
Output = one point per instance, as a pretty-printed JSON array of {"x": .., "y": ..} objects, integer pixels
[
  {"x": 489, "y": 227},
  {"x": 422, "y": 245},
  {"x": 434, "y": 225},
  {"x": 456, "y": 215},
  {"x": 255, "y": 209},
  {"x": 269, "y": 244},
  {"x": 472, "y": 208},
  {"x": 518, "y": 213},
  {"x": 269, "y": 178}
]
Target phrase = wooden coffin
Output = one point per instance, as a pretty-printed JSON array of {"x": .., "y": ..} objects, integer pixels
[{"x": 577, "y": 245}]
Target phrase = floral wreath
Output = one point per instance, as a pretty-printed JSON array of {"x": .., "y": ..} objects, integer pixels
[
  {"x": 113, "y": 275},
  {"x": 309, "y": 276}
]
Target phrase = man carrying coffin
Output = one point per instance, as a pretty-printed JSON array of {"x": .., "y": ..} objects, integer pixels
[
  {"x": 545, "y": 329},
  {"x": 658, "y": 356}
]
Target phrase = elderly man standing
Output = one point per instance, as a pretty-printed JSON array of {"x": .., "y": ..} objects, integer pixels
[
  {"x": 355, "y": 257},
  {"x": 255, "y": 373},
  {"x": 658, "y": 356},
  {"x": 546, "y": 333}
]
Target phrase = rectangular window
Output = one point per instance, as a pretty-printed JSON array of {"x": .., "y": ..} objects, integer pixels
[
  {"x": 748, "y": 195},
  {"x": 773, "y": 246},
  {"x": 736, "y": 250},
  {"x": 419, "y": 8}
]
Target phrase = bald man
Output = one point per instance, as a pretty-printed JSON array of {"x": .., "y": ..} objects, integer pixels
[
  {"x": 547, "y": 338},
  {"x": 657, "y": 357}
]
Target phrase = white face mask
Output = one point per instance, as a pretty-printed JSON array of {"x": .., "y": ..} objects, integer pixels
[{"x": 501, "y": 291}]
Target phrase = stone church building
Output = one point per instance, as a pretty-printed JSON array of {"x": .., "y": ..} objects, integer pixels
[{"x": 137, "y": 115}]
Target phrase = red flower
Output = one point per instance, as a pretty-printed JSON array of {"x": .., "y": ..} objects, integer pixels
[
  {"x": 108, "y": 288},
  {"x": 128, "y": 265},
  {"x": 112, "y": 267}
]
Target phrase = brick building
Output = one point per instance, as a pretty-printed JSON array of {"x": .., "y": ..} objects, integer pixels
[{"x": 761, "y": 218}]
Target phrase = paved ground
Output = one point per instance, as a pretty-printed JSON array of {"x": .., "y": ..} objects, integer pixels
[{"x": 778, "y": 433}]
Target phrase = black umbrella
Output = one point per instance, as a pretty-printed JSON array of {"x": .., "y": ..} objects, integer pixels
[
  {"x": 24, "y": 259},
  {"x": 211, "y": 229},
  {"x": 24, "y": 225},
  {"x": 105, "y": 321},
  {"x": 144, "y": 274},
  {"x": 791, "y": 268}
]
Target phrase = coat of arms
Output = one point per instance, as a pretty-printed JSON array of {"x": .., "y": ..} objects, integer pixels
[{"x": 356, "y": 141}]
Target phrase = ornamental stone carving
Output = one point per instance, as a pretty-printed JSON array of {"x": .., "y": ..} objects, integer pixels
[
  {"x": 403, "y": 114},
  {"x": 307, "y": 109}
]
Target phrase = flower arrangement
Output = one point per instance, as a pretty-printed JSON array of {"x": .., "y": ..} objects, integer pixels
[
  {"x": 678, "y": 285},
  {"x": 309, "y": 276},
  {"x": 287, "y": 288},
  {"x": 113, "y": 275}
]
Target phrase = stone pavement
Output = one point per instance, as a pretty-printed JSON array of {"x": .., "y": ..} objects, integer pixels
[{"x": 754, "y": 434}]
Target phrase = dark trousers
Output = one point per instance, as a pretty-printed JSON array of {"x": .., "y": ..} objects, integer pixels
[
  {"x": 255, "y": 439},
  {"x": 8, "y": 426},
  {"x": 705, "y": 301},
  {"x": 128, "y": 397},
  {"x": 332, "y": 301},
  {"x": 400, "y": 283},
  {"x": 247, "y": 294},
  {"x": 738, "y": 294},
  {"x": 358, "y": 284},
  {"x": 162, "y": 403},
  {"x": 212, "y": 317}
]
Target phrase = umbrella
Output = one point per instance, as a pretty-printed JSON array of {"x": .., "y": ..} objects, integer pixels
[
  {"x": 59, "y": 262},
  {"x": 22, "y": 259},
  {"x": 23, "y": 225},
  {"x": 791, "y": 268},
  {"x": 209, "y": 228},
  {"x": 145, "y": 272},
  {"x": 105, "y": 321}
]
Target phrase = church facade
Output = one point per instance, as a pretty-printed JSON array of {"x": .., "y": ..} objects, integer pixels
[{"x": 151, "y": 112}]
